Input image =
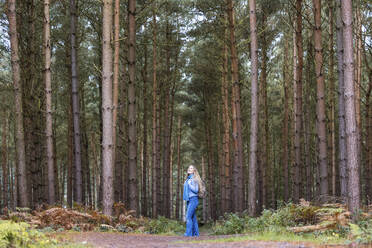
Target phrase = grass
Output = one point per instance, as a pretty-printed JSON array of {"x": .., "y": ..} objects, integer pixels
[{"x": 277, "y": 237}]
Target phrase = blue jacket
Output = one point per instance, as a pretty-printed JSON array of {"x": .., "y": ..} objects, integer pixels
[{"x": 190, "y": 188}]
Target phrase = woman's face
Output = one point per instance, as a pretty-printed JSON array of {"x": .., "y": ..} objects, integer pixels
[{"x": 190, "y": 170}]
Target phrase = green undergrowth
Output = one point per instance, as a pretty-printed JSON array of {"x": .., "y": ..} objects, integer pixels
[
  {"x": 162, "y": 225},
  {"x": 276, "y": 225},
  {"x": 22, "y": 235},
  {"x": 278, "y": 237}
]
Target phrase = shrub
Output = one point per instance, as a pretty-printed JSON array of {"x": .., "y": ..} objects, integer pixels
[
  {"x": 231, "y": 224},
  {"x": 162, "y": 225},
  {"x": 20, "y": 235}
]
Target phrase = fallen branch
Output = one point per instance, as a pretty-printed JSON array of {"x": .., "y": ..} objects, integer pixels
[{"x": 312, "y": 228}]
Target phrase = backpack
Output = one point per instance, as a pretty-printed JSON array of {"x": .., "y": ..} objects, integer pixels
[{"x": 202, "y": 190}]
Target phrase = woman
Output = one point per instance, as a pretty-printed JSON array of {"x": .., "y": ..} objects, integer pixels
[{"x": 190, "y": 195}]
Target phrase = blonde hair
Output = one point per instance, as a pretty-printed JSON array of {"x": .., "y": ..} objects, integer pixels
[{"x": 196, "y": 176}]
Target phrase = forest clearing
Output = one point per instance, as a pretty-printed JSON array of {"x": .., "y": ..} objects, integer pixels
[{"x": 132, "y": 123}]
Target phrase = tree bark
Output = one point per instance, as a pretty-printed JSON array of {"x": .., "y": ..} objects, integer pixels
[
  {"x": 254, "y": 110},
  {"x": 48, "y": 104},
  {"x": 368, "y": 119},
  {"x": 115, "y": 92},
  {"x": 265, "y": 170},
  {"x": 285, "y": 124},
  {"x": 4, "y": 163},
  {"x": 107, "y": 149},
  {"x": 298, "y": 105},
  {"x": 155, "y": 173},
  {"x": 132, "y": 118},
  {"x": 332, "y": 96},
  {"x": 166, "y": 139},
  {"x": 178, "y": 194},
  {"x": 145, "y": 161},
  {"x": 341, "y": 104},
  {"x": 75, "y": 103},
  {"x": 238, "y": 172},
  {"x": 351, "y": 129},
  {"x": 20, "y": 142},
  {"x": 226, "y": 189},
  {"x": 321, "y": 116}
]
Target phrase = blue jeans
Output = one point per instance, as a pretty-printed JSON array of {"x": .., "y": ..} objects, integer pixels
[{"x": 192, "y": 228}]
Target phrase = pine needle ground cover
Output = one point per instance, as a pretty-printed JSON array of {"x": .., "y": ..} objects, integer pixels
[{"x": 324, "y": 224}]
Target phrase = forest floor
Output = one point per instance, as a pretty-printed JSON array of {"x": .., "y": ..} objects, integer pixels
[{"x": 116, "y": 240}]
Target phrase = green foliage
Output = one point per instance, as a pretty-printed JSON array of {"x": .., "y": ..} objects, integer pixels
[
  {"x": 271, "y": 220},
  {"x": 231, "y": 224},
  {"x": 362, "y": 231},
  {"x": 275, "y": 223},
  {"x": 162, "y": 225},
  {"x": 22, "y": 235}
]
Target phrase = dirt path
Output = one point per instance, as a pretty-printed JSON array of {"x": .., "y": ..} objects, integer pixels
[{"x": 117, "y": 240}]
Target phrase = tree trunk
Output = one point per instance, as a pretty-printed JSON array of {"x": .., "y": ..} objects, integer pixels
[
  {"x": 238, "y": 172},
  {"x": 265, "y": 125},
  {"x": 285, "y": 124},
  {"x": 155, "y": 173},
  {"x": 75, "y": 103},
  {"x": 48, "y": 104},
  {"x": 332, "y": 96},
  {"x": 4, "y": 147},
  {"x": 368, "y": 119},
  {"x": 166, "y": 139},
  {"x": 321, "y": 117},
  {"x": 115, "y": 94},
  {"x": 132, "y": 131},
  {"x": 107, "y": 149},
  {"x": 357, "y": 84},
  {"x": 226, "y": 189},
  {"x": 204, "y": 214},
  {"x": 210, "y": 156},
  {"x": 20, "y": 141},
  {"x": 254, "y": 110},
  {"x": 351, "y": 129},
  {"x": 115, "y": 82},
  {"x": 145, "y": 161},
  {"x": 298, "y": 105},
  {"x": 341, "y": 104},
  {"x": 178, "y": 194}
]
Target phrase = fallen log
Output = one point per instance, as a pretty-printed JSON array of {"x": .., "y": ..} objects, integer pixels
[{"x": 312, "y": 228}]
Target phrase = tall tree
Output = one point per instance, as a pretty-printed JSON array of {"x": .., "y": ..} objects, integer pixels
[
  {"x": 48, "y": 103},
  {"x": 238, "y": 196},
  {"x": 350, "y": 114},
  {"x": 75, "y": 103},
  {"x": 285, "y": 123},
  {"x": 341, "y": 105},
  {"x": 167, "y": 133},
  {"x": 20, "y": 140},
  {"x": 107, "y": 132},
  {"x": 297, "y": 74},
  {"x": 132, "y": 118},
  {"x": 332, "y": 95},
  {"x": 225, "y": 179},
  {"x": 254, "y": 109},
  {"x": 118, "y": 166},
  {"x": 144, "y": 153},
  {"x": 320, "y": 103},
  {"x": 155, "y": 172}
]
